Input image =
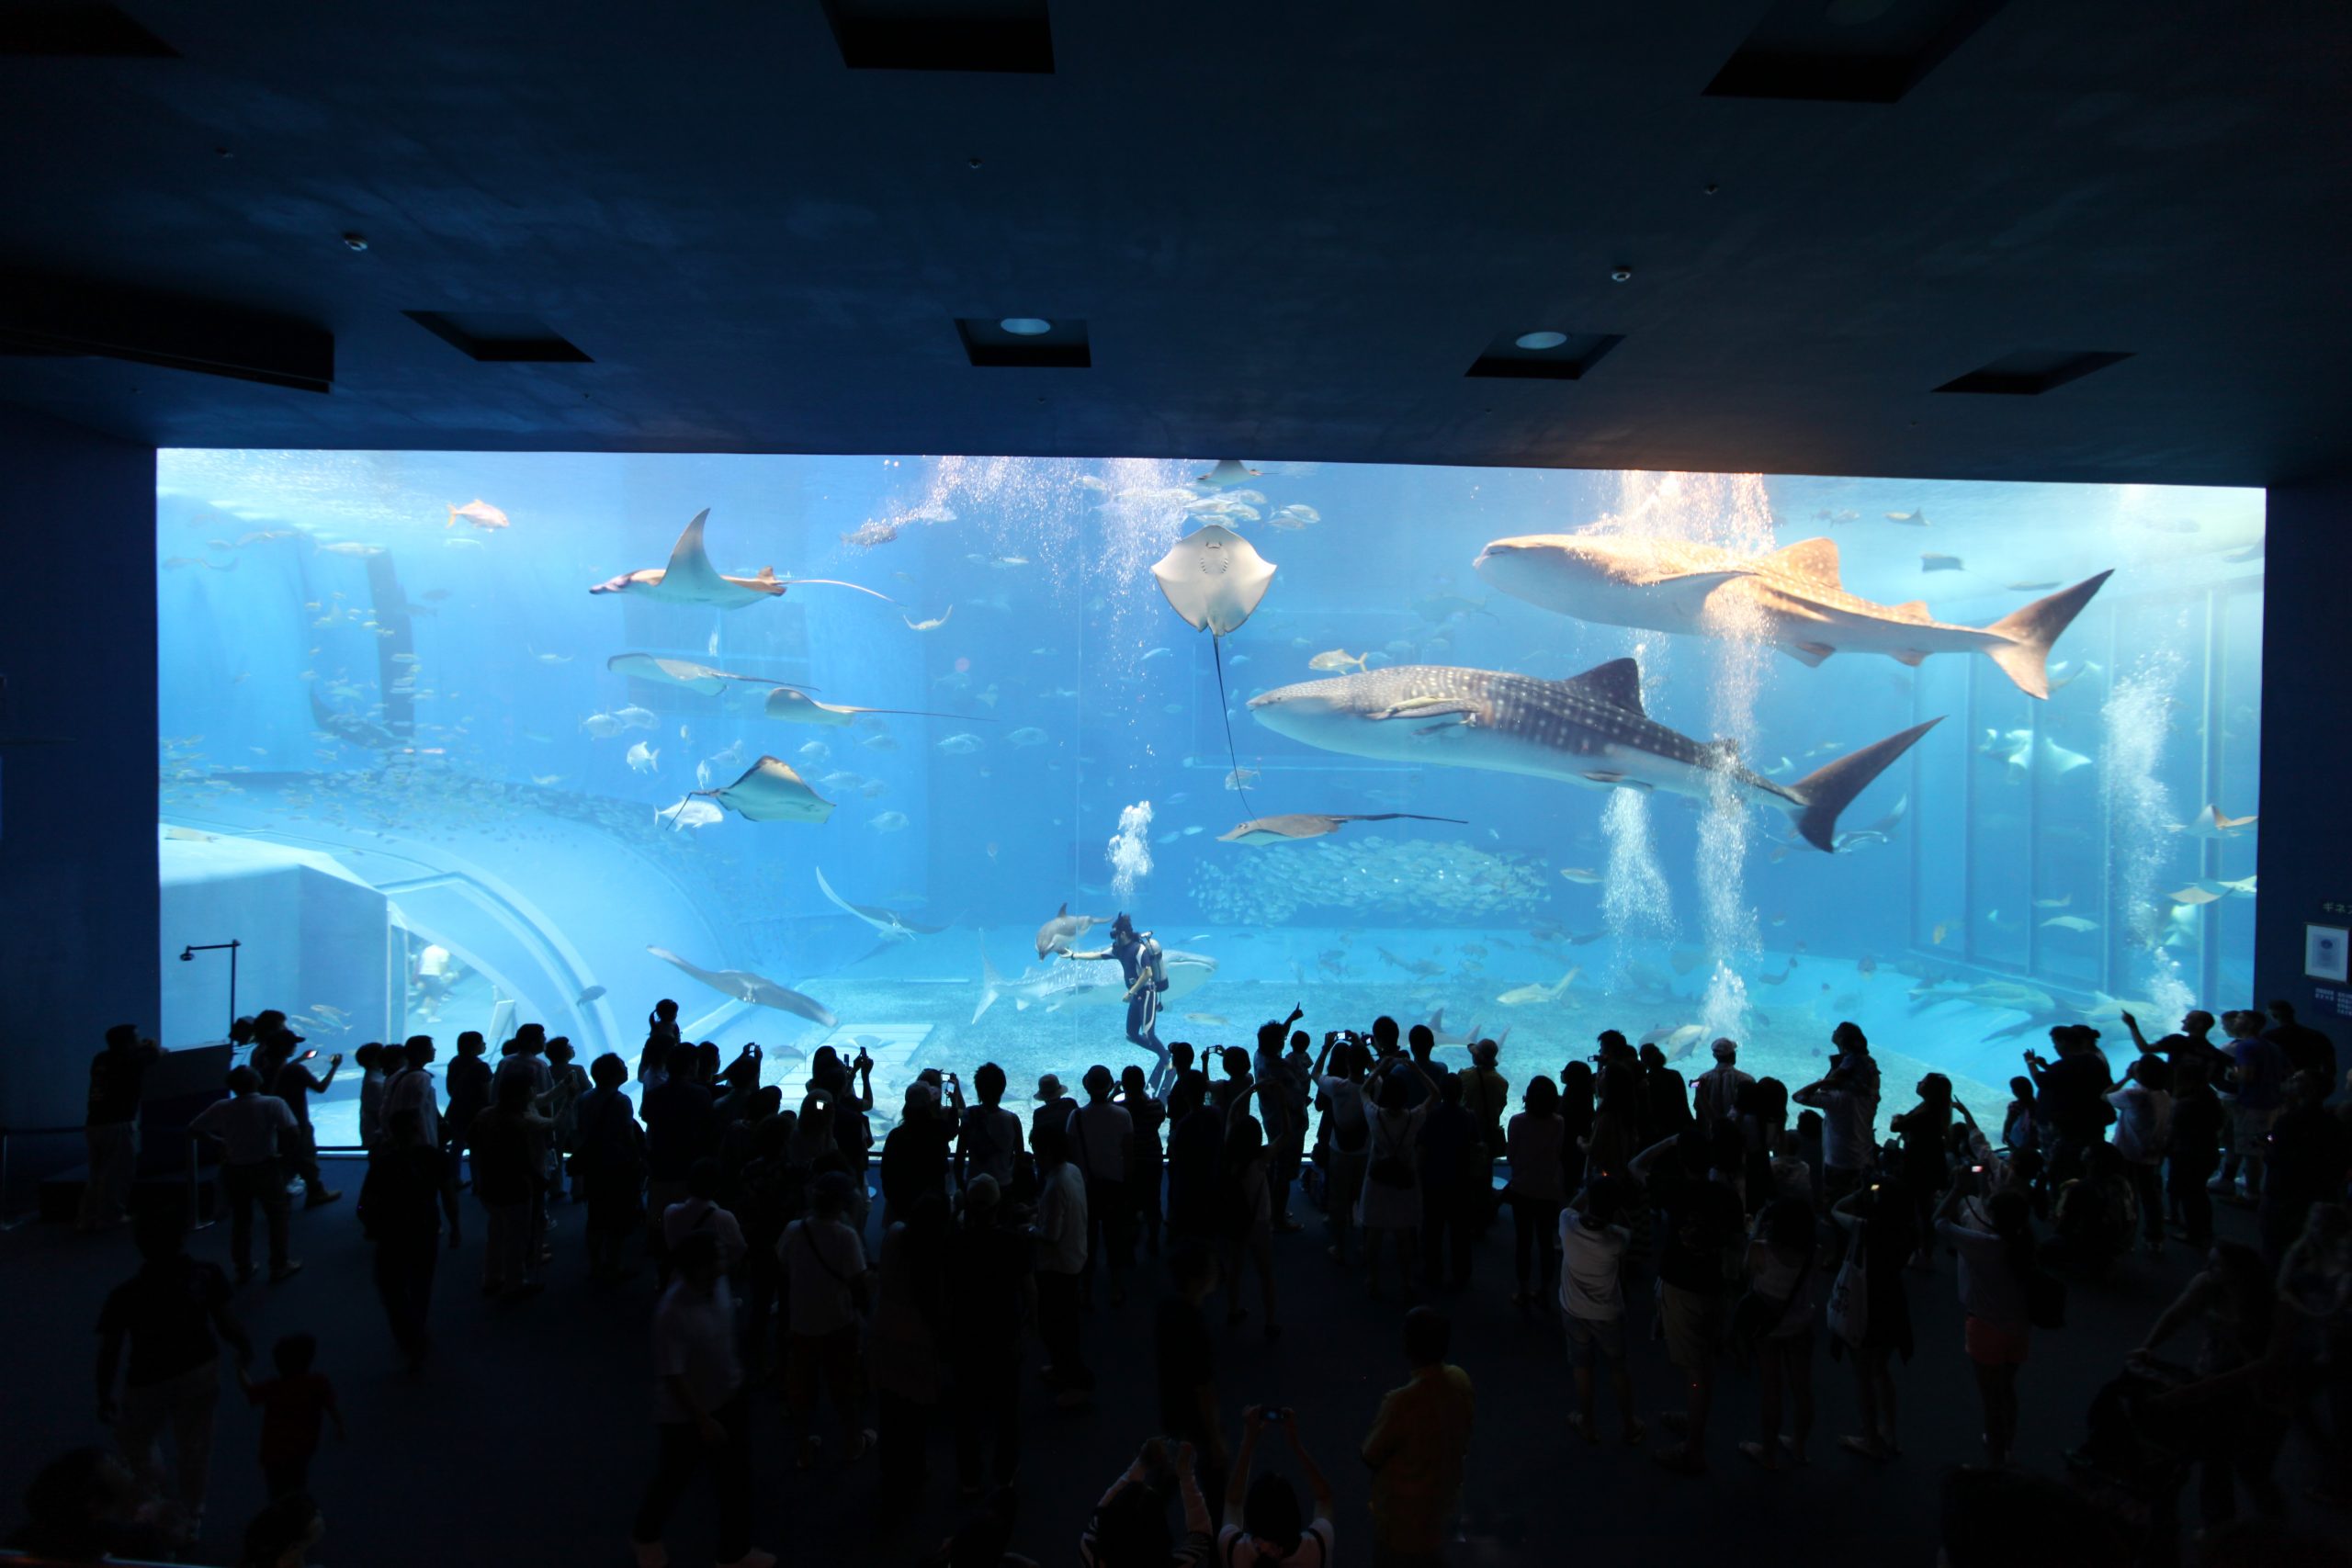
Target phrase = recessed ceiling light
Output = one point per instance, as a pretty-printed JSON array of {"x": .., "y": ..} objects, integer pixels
[
  {"x": 1026, "y": 326},
  {"x": 1540, "y": 339}
]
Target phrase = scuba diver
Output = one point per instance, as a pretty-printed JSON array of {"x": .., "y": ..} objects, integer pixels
[{"x": 1147, "y": 973}]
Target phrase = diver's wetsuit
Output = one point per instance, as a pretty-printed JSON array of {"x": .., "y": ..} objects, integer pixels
[{"x": 1143, "y": 1003}]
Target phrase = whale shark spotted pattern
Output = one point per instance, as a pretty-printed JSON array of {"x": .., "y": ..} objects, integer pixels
[{"x": 1590, "y": 729}]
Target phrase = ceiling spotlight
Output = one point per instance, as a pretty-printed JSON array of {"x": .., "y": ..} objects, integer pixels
[
  {"x": 1026, "y": 326},
  {"x": 355, "y": 241},
  {"x": 1620, "y": 275},
  {"x": 1540, "y": 339}
]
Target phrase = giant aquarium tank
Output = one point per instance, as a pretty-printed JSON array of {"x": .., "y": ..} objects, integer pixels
[{"x": 822, "y": 746}]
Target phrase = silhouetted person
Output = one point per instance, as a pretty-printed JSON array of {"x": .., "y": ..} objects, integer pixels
[
  {"x": 1418, "y": 1445},
  {"x": 294, "y": 1083},
  {"x": 2308, "y": 1050},
  {"x": 172, "y": 1316},
  {"x": 110, "y": 1128},
  {"x": 1456, "y": 1182},
  {"x": 248, "y": 1124},
  {"x": 988, "y": 1265},
  {"x": 700, "y": 1409},
  {"x": 401, "y": 1205},
  {"x": 294, "y": 1405},
  {"x": 1060, "y": 1235}
]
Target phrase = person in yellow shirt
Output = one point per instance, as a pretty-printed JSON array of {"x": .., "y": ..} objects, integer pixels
[{"x": 1416, "y": 1449}]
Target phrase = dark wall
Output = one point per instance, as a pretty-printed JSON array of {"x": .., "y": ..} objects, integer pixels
[
  {"x": 2304, "y": 858},
  {"x": 77, "y": 762}
]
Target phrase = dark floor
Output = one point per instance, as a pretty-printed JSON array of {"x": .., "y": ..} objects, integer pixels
[{"x": 528, "y": 1441}]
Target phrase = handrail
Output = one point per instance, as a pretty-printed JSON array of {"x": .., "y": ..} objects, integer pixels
[{"x": 9, "y": 1554}]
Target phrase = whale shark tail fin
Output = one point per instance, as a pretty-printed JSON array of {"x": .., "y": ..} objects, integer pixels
[
  {"x": 2024, "y": 657},
  {"x": 1821, "y": 795},
  {"x": 991, "y": 983}
]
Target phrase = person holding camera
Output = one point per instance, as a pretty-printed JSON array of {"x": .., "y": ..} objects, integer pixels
[{"x": 1262, "y": 1524}]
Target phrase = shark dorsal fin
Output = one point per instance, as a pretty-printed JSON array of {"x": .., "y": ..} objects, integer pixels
[
  {"x": 1063, "y": 910},
  {"x": 1815, "y": 558},
  {"x": 1911, "y": 610},
  {"x": 1618, "y": 682}
]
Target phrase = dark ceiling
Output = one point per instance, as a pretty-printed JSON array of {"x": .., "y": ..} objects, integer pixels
[{"x": 1289, "y": 229}]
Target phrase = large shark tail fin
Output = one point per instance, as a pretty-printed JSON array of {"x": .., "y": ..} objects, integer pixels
[
  {"x": 991, "y": 983},
  {"x": 1821, "y": 795},
  {"x": 2025, "y": 655}
]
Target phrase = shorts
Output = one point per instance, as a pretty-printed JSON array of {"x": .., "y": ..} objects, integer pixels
[
  {"x": 1695, "y": 1325},
  {"x": 2249, "y": 1129},
  {"x": 1994, "y": 1344},
  {"x": 1594, "y": 1339}
]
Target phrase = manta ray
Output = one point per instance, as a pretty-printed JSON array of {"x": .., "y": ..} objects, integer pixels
[
  {"x": 683, "y": 673},
  {"x": 1793, "y": 595},
  {"x": 770, "y": 791},
  {"x": 792, "y": 705},
  {"x": 893, "y": 926},
  {"x": 1589, "y": 729},
  {"x": 1215, "y": 580},
  {"x": 690, "y": 579},
  {"x": 1295, "y": 825},
  {"x": 756, "y": 989}
]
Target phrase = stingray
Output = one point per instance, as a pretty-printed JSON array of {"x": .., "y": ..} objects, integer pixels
[
  {"x": 694, "y": 677},
  {"x": 795, "y": 706},
  {"x": 893, "y": 926},
  {"x": 1295, "y": 825},
  {"x": 770, "y": 791},
  {"x": 1228, "y": 472},
  {"x": 756, "y": 989},
  {"x": 1215, "y": 578},
  {"x": 690, "y": 579}
]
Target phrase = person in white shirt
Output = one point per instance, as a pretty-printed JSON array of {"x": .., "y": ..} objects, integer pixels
[
  {"x": 1060, "y": 1233},
  {"x": 990, "y": 1141},
  {"x": 248, "y": 1124},
  {"x": 823, "y": 1262},
  {"x": 412, "y": 1088},
  {"x": 1099, "y": 1131},
  {"x": 2143, "y": 1136},
  {"x": 1593, "y": 1302},
  {"x": 1848, "y": 1101},
  {"x": 1714, "y": 1094},
  {"x": 701, "y": 1407},
  {"x": 1346, "y": 1130}
]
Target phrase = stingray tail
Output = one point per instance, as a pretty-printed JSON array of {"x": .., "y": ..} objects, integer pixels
[
  {"x": 1217, "y": 645},
  {"x": 2024, "y": 657},
  {"x": 1821, "y": 795},
  {"x": 827, "y": 582}
]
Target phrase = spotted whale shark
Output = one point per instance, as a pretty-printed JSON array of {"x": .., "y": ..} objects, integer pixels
[
  {"x": 1590, "y": 730},
  {"x": 1793, "y": 598}
]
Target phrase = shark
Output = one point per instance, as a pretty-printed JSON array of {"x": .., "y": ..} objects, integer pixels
[
  {"x": 690, "y": 579},
  {"x": 1589, "y": 729},
  {"x": 1792, "y": 597},
  {"x": 1291, "y": 826},
  {"x": 758, "y": 991},
  {"x": 892, "y": 925},
  {"x": 1064, "y": 929},
  {"x": 1064, "y": 984}
]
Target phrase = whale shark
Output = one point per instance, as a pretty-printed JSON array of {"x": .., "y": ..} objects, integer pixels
[
  {"x": 1793, "y": 595},
  {"x": 690, "y": 579},
  {"x": 1590, "y": 730}
]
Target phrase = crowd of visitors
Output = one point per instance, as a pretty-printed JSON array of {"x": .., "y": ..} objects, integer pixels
[{"x": 1698, "y": 1211}]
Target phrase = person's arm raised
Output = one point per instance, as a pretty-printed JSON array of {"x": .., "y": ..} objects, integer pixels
[
  {"x": 1638, "y": 1167},
  {"x": 1237, "y": 1484},
  {"x": 1315, "y": 1481}
]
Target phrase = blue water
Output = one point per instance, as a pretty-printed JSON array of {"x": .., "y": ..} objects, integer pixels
[{"x": 377, "y": 756}]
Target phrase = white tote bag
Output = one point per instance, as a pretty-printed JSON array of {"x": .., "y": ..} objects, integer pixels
[{"x": 1850, "y": 1293}]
